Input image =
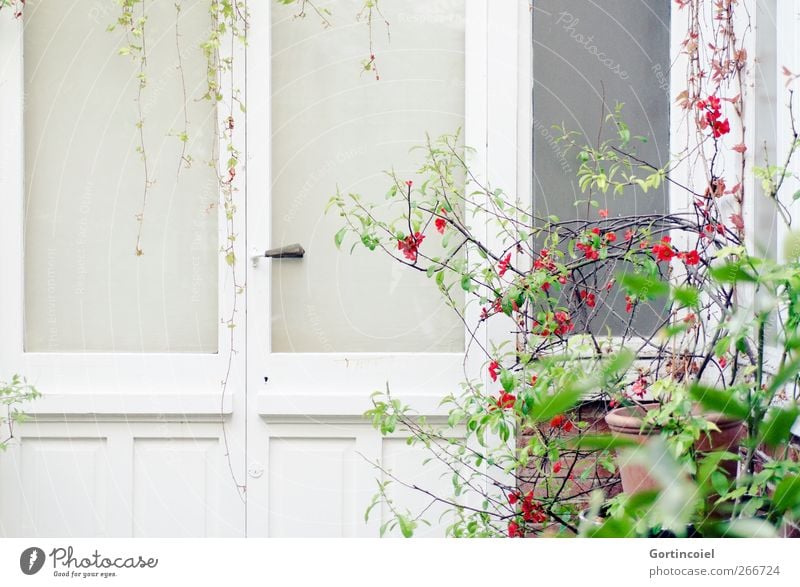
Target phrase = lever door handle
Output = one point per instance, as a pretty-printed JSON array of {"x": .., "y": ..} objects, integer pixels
[{"x": 295, "y": 251}]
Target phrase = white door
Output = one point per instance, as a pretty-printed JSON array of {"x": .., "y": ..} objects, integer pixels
[
  {"x": 114, "y": 297},
  {"x": 183, "y": 396}
]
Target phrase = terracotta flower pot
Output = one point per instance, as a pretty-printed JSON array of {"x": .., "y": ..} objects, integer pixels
[{"x": 627, "y": 422}]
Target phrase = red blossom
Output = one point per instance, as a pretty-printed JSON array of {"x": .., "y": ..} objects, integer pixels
[
  {"x": 410, "y": 245},
  {"x": 588, "y": 251},
  {"x": 628, "y": 304},
  {"x": 629, "y": 234},
  {"x": 493, "y": 367},
  {"x": 531, "y": 510},
  {"x": 639, "y": 387},
  {"x": 723, "y": 362},
  {"x": 409, "y": 183},
  {"x": 514, "y": 531},
  {"x": 502, "y": 267},
  {"x": 561, "y": 421},
  {"x": 441, "y": 224},
  {"x": 506, "y": 401},
  {"x": 713, "y": 114},
  {"x": 603, "y": 213},
  {"x": 557, "y": 467},
  {"x": 589, "y": 298},
  {"x": 691, "y": 257},
  {"x": 663, "y": 250},
  {"x": 544, "y": 261},
  {"x": 611, "y": 236}
]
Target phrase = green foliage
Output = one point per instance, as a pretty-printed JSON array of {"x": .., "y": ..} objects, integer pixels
[{"x": 13, "y": 394}]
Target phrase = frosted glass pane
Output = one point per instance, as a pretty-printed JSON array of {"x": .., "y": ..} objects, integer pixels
[
  {"x": 587, "y": 56},
  {"x": 85, "y": 287},
  {"x": 336, "y": 125}
]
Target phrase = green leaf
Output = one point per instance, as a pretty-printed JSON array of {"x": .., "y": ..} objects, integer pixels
[
  {"x": 406, "y": 526},
  {"x": 619, "y": 362},
  {"x": 686, "y": 296},
  {"x": 466, "y": 283},
  {"x": 339, "y": 237},
  {"x": 776, "y": 428},
  {"x": 549, "y": 405},
  {"x": 603, "y": 442},
  {"x": 731, "y": 273},
  {"x": 787, "y": 494},
  {"x": 643, "y": 287},
  {"x": 786, "y": 374},
  {"x": 720, "y": 401},
  {"x": 507, "y": 380}
]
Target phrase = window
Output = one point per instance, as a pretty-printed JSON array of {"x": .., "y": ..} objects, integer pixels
[{"x": 588, "y": 56}]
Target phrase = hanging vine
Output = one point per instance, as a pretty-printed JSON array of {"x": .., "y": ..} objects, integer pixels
[
  {"x": 15, "y": 5},
  {"x": 136, "y": 47}
]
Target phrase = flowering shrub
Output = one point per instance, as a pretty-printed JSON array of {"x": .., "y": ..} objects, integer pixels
[{"x": 685, "y": 336}]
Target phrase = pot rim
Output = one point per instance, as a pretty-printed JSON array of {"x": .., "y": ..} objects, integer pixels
[{"x": 623, "y": 419}]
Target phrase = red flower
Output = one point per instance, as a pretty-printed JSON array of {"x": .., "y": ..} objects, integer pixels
[
  {"x": 532, "y": 511},
  {"x": 513, "y": 498},
  {"x": 409, "y": 183},
  {"x": 502, "y": 267},
  {"x": 691, "y": 258},
  {"x": 557, "y": 467},
  {"x": 596, "y": 231},
  {"x": 589, "y": 298},
  {"x": 410, "y": 245},
  {"x": 723, "y": 362},
  {"x": 493, "y": 367},
  {"x": 588, "y": 251},
  {"x": 514, "y": 531},
  {"x": 628, "y": 304},
  {"x": 506, "y": 401},
  {"x": 611, "y": 236},
  {"x": 713, "y": 113},
  {"x": 663, "y": 250},
  {"x": 629, "y": 234},
  {"x": 560, "y": 421},
  {"x": 603, "y": 213},
  {"x": 721, "y": 128},
  {"x": 640, "y": 386},
  {"x": 441, "y": 224},
  {"x": 562, "y": 279}
]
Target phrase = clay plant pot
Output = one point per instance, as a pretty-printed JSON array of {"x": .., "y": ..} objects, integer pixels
[{"x": 627, "y": 422}]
